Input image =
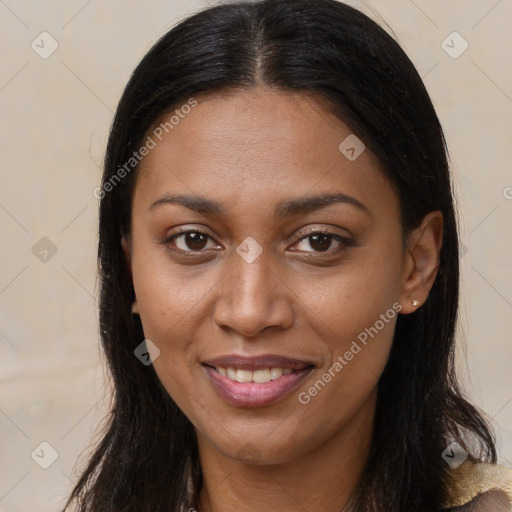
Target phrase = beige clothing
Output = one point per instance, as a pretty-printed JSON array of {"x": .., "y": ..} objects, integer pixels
[{"x": 480, "y": 488}]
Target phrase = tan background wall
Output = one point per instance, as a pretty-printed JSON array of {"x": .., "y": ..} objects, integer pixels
[{"x": 55, "y": 116}]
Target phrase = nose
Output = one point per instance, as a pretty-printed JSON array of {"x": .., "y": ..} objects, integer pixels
[{"x": 253, "y": 298}]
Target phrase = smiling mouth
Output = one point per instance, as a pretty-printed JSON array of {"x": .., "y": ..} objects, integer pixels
[
  {"x": 260, "y": 376},
  {"x": 257, "y": 387}
]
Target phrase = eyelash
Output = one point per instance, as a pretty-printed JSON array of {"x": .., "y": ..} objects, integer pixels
[{"x": 345, "y": 242}]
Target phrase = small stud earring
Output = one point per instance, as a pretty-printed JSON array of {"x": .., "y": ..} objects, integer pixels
[{"x": 415, "y": 302}]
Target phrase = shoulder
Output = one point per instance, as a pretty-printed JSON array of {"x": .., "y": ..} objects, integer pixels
[
  {"x": 490, "y": 501},
  {"x": 480, "y": 487}
]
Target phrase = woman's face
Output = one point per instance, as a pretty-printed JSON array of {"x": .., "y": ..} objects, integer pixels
[{"x": 257, "y": 242}]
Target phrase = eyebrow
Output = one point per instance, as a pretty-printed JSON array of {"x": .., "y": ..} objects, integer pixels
[
  {"x": 307, "y": 204},
  {"x": 287, "y": 208},
  {"x": 196, "y": 203}
]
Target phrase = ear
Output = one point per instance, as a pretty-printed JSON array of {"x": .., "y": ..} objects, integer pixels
[
  {"x": 421, "y": 261},
  {"x": 126, "y": 245}
]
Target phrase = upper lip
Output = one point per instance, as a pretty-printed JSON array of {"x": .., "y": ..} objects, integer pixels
[{"x": 240, "y": 362}]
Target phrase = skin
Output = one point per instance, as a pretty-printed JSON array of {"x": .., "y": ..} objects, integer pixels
[{"x": 249, "y": 150}]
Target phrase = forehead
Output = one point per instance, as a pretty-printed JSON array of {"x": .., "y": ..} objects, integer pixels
[{"x": 259, "y": 145}]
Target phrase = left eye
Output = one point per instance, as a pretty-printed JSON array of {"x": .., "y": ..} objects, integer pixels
[
  {"x": 190, "y": 241},
  {"x": 321, "y": 242}
]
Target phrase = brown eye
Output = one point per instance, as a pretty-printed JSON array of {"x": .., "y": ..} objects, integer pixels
[
  {"x": 191, "y": 241},
  {"x": 319, "y": 242},
  {"x": 195, "y": 241}
]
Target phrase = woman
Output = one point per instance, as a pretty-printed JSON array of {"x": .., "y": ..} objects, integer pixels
[{"x": 279, "y": 274}]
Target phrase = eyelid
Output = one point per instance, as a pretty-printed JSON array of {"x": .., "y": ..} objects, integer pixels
[
  {"x": 321, "y": 230},
  {"x": 180, "y": 230}
]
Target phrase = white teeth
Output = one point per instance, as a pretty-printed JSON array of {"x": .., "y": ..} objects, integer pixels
[
  {"x": 259, "y": 376},
  {"x": 244, "y": 375},
  {"x": 276, "y": 373}
]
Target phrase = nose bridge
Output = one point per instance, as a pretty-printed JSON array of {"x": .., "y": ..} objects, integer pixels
[
  {"x": 251, "y": 279},
  {"x": 252, "y": 297},
  {"x": 250, "y": 283}
]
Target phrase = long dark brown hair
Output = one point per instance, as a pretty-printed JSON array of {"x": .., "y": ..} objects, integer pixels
[{"x": 328, "y": 49}]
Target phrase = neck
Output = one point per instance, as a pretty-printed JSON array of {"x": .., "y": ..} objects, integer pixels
[{"x": 321, "y": 480}]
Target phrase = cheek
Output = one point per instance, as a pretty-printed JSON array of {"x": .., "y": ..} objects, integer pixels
[
  {"x": 358, "y": 336},
  {"x": 354, "y": 317},
  {"x": 169, "y": 303},
  {"x": 355, "y": 296},
  {"x": 168, "y": 293}
]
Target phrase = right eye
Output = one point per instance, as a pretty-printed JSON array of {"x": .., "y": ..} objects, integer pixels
[{"x": 190, "y": 241}]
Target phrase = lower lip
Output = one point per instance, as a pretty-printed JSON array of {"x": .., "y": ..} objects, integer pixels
[{"x": 252, "y": 394}]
